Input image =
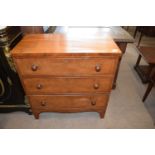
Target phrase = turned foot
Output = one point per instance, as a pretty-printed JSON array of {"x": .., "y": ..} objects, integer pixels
[
  {"x": 101, "y": 113},
  {"x": 114, "y": 86},
  {"x": 36, "y": 115}
]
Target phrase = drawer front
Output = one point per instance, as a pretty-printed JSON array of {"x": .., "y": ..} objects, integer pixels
[
  {"x": 47, "y": 86},
  {"x": 66, "y": 67},
  {"x": 48, "y": 103}
]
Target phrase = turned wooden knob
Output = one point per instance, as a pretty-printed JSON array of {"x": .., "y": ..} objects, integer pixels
[
  {"x": 98, "y": 68},
  {"x": 96, "y": 86},
  {"x": 43, "y": 103},
  {"x": 39, "y": 86},
  {"x": 34, "y": 67},
  {"x": 93, "y": 102}
]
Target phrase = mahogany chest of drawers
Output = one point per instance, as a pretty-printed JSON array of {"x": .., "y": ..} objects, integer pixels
[{"x": 63, "y": 74}]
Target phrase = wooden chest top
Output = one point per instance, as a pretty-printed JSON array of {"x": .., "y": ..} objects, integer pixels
[{"x": 62, "y": 45}]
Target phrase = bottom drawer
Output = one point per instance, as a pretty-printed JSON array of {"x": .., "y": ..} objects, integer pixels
[{"x": 56, "y": 102}]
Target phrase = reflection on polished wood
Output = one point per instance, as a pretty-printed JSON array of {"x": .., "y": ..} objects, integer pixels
[
  {"x": 64, "y": 45},
  {"x": 2, "y": 89},
  {"x": 115, "y": 32}
]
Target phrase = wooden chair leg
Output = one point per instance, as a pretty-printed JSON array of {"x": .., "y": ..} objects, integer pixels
[
  {"x": 149, "y": 88},
  {"x": 140, "y": 38},
  {"x": 138, "y": 61},
  {"x": 135, "y": 32}
]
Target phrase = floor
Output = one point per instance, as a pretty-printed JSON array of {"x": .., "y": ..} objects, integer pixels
[{"x": 125, "y": 108}]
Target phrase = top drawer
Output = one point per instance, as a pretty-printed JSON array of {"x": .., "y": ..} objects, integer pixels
[{"x": 66, "y": 66}]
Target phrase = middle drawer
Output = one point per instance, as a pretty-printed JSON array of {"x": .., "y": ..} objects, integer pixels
[{"x": 34, "y": 86}]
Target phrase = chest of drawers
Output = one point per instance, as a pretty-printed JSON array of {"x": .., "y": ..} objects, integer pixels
[{"x": 61, "y": 74}]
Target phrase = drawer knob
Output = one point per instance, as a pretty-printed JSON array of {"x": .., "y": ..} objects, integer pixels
[
  {"x": 43, "y": 103},
  {"x": 34, "y": 67},
  {"x": 96, "y": 86},
  {"x": 39, "y": 86},
  {"x": 93, "y": 102},
  {"x": 98, "y": 68}
]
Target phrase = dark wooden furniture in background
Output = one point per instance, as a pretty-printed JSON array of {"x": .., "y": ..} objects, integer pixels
[
  {"x": 118, "y": 34},
  {"x": 121, "y": 38},
  {"x": 66, "y": 74},
  {"x": 144, "y": 31},
  {"x": 37, "y": 29},
  {"x": 12, "y": 96},
  {"x": 150, "y": 85},
  {"x": 144, "y": 71},
  {"x": 32, "y": 29}
]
